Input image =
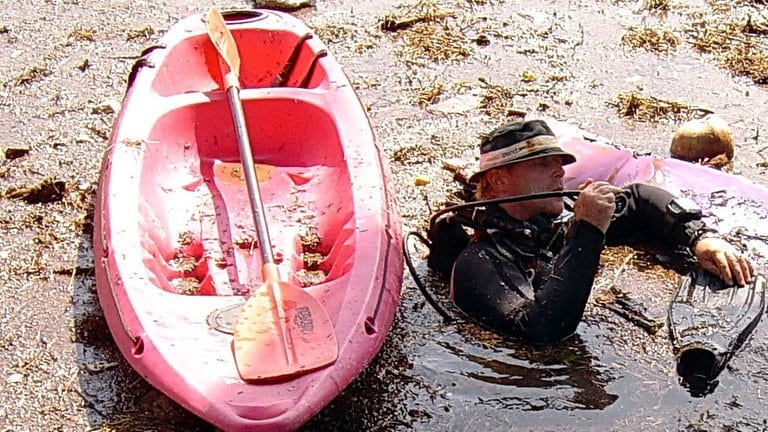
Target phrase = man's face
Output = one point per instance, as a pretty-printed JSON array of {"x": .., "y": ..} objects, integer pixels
[{"x": 544, "y": 174}]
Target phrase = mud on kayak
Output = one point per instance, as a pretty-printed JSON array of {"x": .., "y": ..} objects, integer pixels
[{"x": 175, "y": 244}]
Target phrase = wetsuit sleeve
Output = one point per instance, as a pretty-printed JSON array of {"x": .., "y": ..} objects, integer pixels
[
  {"x": 494, "y": 291},
  {"x": 647, "y": 221}
]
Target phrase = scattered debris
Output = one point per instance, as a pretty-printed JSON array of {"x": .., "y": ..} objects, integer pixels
[
  {"x": 183, "y": 263},
  {"x": 15, "y": 152},
  {"x": 48, "y": 190},
  {"x": 656, "y": 5},
  {"x": 310, "y": 239},
  {"x": 34, "y": 73},
  {"x": 651, "y": 39},
  {"x": 312, "y": 259},
  {"x": 617, "y": 300},
  {"x": 430, "y": 95},
  {"x": 108, "y": 107},
  {"x": 650, "y": 108},
  {"x": 247, "y": 241},
  {"x": 186, "y": 238},
  {"x": 283, "y": 5},
  {"x": 84, "y": 65},
  {"x": 528, "y": 76},
  {"x": 421, "y": 180},
  {"x": 80, "y": 34},
  {"x": 497, "y": 100},
  {"x": 407, "y": 16},
  {"x": 186, "y": 285},
  {"x": 144, "y": 33},
  {"x": 631, "y": 310},
  {"x": 415, "y": 154},
  {"x": 739, "y": 46},
  {"x": 435, "y": 43},
  {"x": 310, "y": 277}
]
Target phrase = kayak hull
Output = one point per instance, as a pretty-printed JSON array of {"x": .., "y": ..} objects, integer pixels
[{"x": 175, "y": 243}]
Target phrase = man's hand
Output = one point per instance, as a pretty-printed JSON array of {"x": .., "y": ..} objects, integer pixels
[
  {"x": 721, "y": 258},
  {"x": 596, "y": 203}
]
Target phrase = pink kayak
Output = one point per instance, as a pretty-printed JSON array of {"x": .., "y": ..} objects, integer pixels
[
  {"x": 176, "y": 247},
  {"x": 620, "y": 166}
]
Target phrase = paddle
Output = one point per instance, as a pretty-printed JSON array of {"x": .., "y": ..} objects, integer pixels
[{"x": 282, "y": 331}]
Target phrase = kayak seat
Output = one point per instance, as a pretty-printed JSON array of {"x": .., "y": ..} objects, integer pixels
[{"x": 262, "y": 60}]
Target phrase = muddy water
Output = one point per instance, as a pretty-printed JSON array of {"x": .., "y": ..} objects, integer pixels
[{"x": 613, "y": 375}]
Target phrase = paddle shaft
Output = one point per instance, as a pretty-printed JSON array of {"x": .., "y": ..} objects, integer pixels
[
  {"x": 249, "y": 170},
  {"x": 225, "y": 44},
  {"x": 282, "y": 331}
]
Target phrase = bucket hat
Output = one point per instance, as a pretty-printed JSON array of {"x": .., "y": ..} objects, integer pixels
[{"x": 516, "y": 142}]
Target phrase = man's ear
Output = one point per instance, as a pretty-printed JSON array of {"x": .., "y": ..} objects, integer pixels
[{"x": 495, "y": 178}]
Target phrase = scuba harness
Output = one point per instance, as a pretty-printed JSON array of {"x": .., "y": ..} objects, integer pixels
[{"x": 447, "y": 234}]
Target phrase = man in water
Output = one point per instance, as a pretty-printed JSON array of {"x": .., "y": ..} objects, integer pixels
[{"x": 523, "y": 276}]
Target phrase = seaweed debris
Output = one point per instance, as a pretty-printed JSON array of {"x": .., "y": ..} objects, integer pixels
[
  {"x": 47, "y": 190},
  {"x": 650, "y": 108},
  {"x": 651, "y": 39}
]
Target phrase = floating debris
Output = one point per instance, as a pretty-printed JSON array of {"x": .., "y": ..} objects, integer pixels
[
  {"x": 497, "y": 100},
  {"x": 108, "y": 107},
  {"x": 656, "y": 5},
  {"x": 143, "y": 33},
  {"x": 48, "y": 190},
  {"x": 703, "y": 139},
  {"x": 283, "y": 5},
  {"x": 738, "y": 46},
  {"x": 34, "y": 73},
  {"x": 186, "y": 238},
  {"x": 15, "y": 152},
  {"x": 80, "y": 34},
  {"x": 421, "y": 180},
  {"x": 407, "y": 16},
  {"x": 651, "y": 39},
  {"x": 650, "y": 108},
  {"x": 430, "y": 95},
  {"x": 246, "y": 241},
  {"x": 312, "y": 259},
  {"x": 183, "y": 263},
  {"x": 435, "y": 43},
  {"x": 416, "y": 154}
]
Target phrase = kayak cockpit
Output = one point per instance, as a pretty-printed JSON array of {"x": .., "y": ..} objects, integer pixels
[
  {"x": 270, "y": 57},
  {"x": 196, "y": 225}
]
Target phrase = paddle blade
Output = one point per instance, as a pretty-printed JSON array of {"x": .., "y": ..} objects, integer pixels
[
  {"x": 225, "y": 43},
  {"x": 282, "y": 332}
]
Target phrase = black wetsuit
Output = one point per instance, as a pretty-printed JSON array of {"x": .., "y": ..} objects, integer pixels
[{"x": 521, "y": 279}]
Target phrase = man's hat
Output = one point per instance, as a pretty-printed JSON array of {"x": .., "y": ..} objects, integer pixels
[{"x": 518, "y": 141}]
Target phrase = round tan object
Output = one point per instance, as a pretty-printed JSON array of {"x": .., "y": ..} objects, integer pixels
[{"x": 701, "y": 139}]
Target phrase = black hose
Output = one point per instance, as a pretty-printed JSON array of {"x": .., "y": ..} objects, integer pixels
[
  {"x": 533, "y": 196},
  {"x": 445, "y": 315},
  {"x": 622, "y": 200}
]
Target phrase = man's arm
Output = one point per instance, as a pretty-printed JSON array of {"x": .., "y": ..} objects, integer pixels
[
  {"x": 649, "y": 221},
  {"x": 650, "y": 218}
]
